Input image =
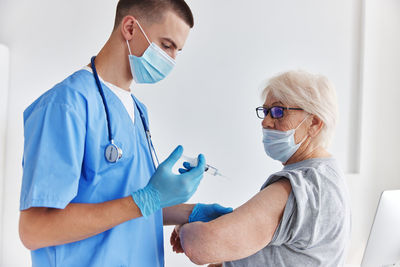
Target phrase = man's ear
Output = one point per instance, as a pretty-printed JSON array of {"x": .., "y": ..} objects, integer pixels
[
  {"x": 316, "y": 126},
  {"x": 128, "y": 27}
]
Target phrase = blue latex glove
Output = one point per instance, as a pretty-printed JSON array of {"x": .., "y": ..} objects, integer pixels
[
  {"x": 168, "y": 189},
  {"x": 207, "y": 212},
  {"x": 186, "y": 169}
]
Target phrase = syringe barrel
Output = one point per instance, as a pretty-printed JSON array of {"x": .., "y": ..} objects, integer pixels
[
  {"x": 211, "y": 170},
  {"x": 194, "y": 161}
]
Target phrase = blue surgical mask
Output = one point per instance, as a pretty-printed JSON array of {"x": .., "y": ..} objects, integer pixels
[
  {"x": 153, "y": 66},
  {"x": 280, "y": 145}
]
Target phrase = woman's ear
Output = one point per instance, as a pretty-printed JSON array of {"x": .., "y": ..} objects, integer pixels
[{"x": 316, "y": 126}]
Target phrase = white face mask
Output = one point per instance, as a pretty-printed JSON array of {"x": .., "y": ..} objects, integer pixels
[{"x": 280, "y": 145}]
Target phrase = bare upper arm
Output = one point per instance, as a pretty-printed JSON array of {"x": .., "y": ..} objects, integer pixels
[{"x": 241, "y": 233}]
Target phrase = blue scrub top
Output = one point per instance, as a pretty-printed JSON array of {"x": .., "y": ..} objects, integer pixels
[{"x": 65, "y": 134}]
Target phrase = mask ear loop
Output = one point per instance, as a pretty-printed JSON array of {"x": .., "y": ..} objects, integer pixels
[
  {"x": 305, "y": 137},
  {"x": 308, "y": 115},
  {"x": 129, "y": 49},
  {"x": 141, "y": 29}
]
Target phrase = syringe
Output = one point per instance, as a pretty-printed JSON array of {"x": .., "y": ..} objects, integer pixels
[{"x": 209, "y": 169}]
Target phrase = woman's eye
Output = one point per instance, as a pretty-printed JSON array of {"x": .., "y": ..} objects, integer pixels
[{"x": 166, "y": 46}]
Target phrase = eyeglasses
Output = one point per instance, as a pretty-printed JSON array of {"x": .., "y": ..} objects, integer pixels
[{"x": 276, "y": 111}]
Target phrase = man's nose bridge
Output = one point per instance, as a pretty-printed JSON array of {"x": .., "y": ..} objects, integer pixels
[{"x": 175, "y": 54}]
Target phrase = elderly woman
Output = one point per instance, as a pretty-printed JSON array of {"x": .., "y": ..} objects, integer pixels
[{"x": 301, "y": 216}]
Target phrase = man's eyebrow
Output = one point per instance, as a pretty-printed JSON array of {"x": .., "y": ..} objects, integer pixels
[{"x": 171, "y": 41}]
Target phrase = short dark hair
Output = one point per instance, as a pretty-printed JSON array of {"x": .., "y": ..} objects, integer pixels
[{"x": 152, "y": 10}]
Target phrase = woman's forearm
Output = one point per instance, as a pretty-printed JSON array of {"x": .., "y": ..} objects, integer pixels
[
  {"x": 206, "y": 242},
  {"x": 194, "y": 241},
  {"x": 239, "y": 234}
]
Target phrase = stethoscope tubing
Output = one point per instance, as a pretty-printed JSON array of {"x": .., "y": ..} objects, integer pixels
[
  {"x": 142, "y": 117},
  {"x": 96, "y": 76}
]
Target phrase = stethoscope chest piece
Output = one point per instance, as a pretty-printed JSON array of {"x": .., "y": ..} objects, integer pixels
[{"x": 113, "y": 153}]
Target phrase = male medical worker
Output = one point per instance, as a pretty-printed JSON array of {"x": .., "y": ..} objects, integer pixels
[{"x": 91, "y": 193}]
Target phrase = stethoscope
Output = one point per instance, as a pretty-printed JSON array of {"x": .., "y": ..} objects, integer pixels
[{"x": 112, "y": 152}]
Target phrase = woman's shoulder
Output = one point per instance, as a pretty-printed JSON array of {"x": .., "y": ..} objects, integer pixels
[
  {"x": 319, "y": 192},
  {"x": 312, "y": 168},
  {"x": 312, "y": 176},
  {"x": 313, "y": 163}
]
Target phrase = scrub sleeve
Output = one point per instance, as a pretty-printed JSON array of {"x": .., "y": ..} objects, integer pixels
[{"x": 53, "y": 155}]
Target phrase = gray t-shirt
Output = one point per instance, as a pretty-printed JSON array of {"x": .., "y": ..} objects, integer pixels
[{"x": 315, "y": 226}]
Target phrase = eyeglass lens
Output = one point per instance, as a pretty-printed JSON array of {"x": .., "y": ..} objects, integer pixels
[{"x": 276, "y": 112}]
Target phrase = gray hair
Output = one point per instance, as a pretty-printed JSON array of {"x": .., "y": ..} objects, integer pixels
[{"x": 312, "y": 92}]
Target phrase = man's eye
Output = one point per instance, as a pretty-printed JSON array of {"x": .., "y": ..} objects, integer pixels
[{"x": 166, "y": 46}]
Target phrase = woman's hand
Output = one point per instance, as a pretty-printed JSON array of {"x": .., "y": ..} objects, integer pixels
[{"x": 176, "y": 241}]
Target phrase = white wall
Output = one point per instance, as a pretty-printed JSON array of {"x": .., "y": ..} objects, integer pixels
[
  {"x": 47, "y": 40},
  {"x": 207, "y": 104},
  {"x": 4, "y": 72},
  {"x": 380, "y": 121}
]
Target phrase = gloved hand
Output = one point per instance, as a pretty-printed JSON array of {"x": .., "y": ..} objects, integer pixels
[
  {"x": 186, "y": 169},
  {"x": 207, "y": 212},
  {"x": 166, "y": 188}
]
